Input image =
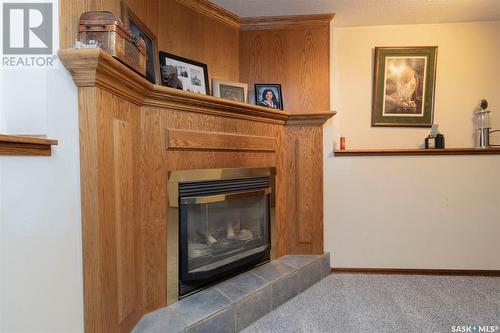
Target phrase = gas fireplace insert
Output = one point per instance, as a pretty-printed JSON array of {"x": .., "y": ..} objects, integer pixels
[{"x": 224, "y": 223}]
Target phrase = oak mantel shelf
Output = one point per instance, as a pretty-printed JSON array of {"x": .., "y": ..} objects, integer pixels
[
  {"x": 416, "y": 152},
  {"x": 96, "y": 68},
  {"x": 26, "y": 145}
]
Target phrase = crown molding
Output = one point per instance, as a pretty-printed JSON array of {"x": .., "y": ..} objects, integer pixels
[
  {"x": 214, "y": 11},
  {"x": 285, "y": 22}
]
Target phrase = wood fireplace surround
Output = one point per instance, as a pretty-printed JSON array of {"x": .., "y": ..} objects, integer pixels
[{"x": 133, "y": 133}]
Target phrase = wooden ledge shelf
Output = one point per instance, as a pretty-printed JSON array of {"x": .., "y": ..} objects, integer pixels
[
  {"x": 26, "y": 145},
  {"x": 96, "y": 68},
  {"x": 311, "y": 119},
  {"x": 416, "y": 152}
]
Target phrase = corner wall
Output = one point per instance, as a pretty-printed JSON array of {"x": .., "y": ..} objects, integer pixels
[
  {"x": 41, "y": 283},
  {"x": 439, "y": 212},
  {"x": 40, "y": 225}
]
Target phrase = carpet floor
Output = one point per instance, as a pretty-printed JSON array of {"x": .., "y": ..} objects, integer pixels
[{"x": 389, "y": 303}]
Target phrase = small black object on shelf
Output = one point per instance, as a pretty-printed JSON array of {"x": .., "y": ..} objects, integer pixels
[{"x": 435, "y": 140}]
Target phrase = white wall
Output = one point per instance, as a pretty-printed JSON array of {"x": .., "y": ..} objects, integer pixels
[
  {"x": 40, "y": 225},
  {"x": 414, "y": 212}
]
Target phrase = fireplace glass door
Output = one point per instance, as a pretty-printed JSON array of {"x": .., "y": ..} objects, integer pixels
[{"x": 224, "y": 228}]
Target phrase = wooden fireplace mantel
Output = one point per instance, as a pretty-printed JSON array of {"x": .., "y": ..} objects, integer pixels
[
  {"x": 96, "y": 68},
  {"x": 132, "y": 134}
]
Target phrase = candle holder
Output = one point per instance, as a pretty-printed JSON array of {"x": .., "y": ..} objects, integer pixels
[{"x": 482, "y": 119}]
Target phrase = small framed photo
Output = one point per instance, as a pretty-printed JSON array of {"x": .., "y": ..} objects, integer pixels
[
  {"x": 233, "y": 91},
  {"x": 192, "y": 74},
  {"x": 269, "y": 95},
  {"x": 403, "y": 87},
  {"x": 132, "y": 22}
]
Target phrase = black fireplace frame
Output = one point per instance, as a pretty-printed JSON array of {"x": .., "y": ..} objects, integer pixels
[{"x": 189, "y": 282}]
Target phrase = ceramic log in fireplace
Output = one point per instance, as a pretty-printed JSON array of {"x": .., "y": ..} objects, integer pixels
[{"x": 223, "y": 219}]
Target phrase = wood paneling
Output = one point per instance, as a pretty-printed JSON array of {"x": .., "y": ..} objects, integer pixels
[
  {"x": 110, "y": 211},
  {"x": 302, "y": 179},
  {"x": 417, "y": 152},
  {"x": 297, "y": 58},
  {"x": 201, "y": 140},
  {"x": 124, "y": 217},
  {"x": 193, "y": 35},
  {"x": 185, "y": 29},
  {"x": 25, "y": 145},
  {"x": 304, "y": 220}
]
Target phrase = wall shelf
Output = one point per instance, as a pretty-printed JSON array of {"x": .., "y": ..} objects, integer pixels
[
  {"x": 96, "y": 68},
  {"x": 416, "y": 152},
  {"x": 26, "y": 145}
]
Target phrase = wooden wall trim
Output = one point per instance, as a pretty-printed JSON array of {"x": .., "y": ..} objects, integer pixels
[
  {"x": 199, "y": 140},
  {"x": 214, "y": 11},
  {"x": 25, "y": 145},
  {"x": 410, "y": 271},
  {"x": 304, "y": 119},
  {"x": 96, "y": 68},
  {"x": 285, "y": 22}
]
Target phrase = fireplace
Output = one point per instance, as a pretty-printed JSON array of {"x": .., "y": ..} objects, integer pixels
[{"x": 222, "y": 218}]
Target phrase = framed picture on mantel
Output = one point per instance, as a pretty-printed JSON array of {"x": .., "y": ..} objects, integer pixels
[
  {"x": 234, "y": 91},
  {"x": 192, "y": 74},
  {"x": 403, "y": 86},
  {"x": 138, "y": 28},
  {"x": 269, "y": 95}
]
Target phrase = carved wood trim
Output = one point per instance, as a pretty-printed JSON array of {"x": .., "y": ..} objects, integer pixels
[
  {"x": 198, "y": 140},
  {"x": 124, "y": 218},
  {"x": 284, "y": 22},
  {"x": 214, "y": 11},
  {"x": 25, "y": 145},
  {"x": 302, "y": 222}
]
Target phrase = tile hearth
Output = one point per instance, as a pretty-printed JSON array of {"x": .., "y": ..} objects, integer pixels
[{"x": 234, "y": 304}]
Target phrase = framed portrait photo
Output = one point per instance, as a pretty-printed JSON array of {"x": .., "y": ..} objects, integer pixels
[
  {"x": 233, "y": 91},
  {"x": 132, "y": 22},
  {"x": 192, "y": 74},
  {"x": 403, "y": 86},
  {"x": 269, "y": 95}
]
